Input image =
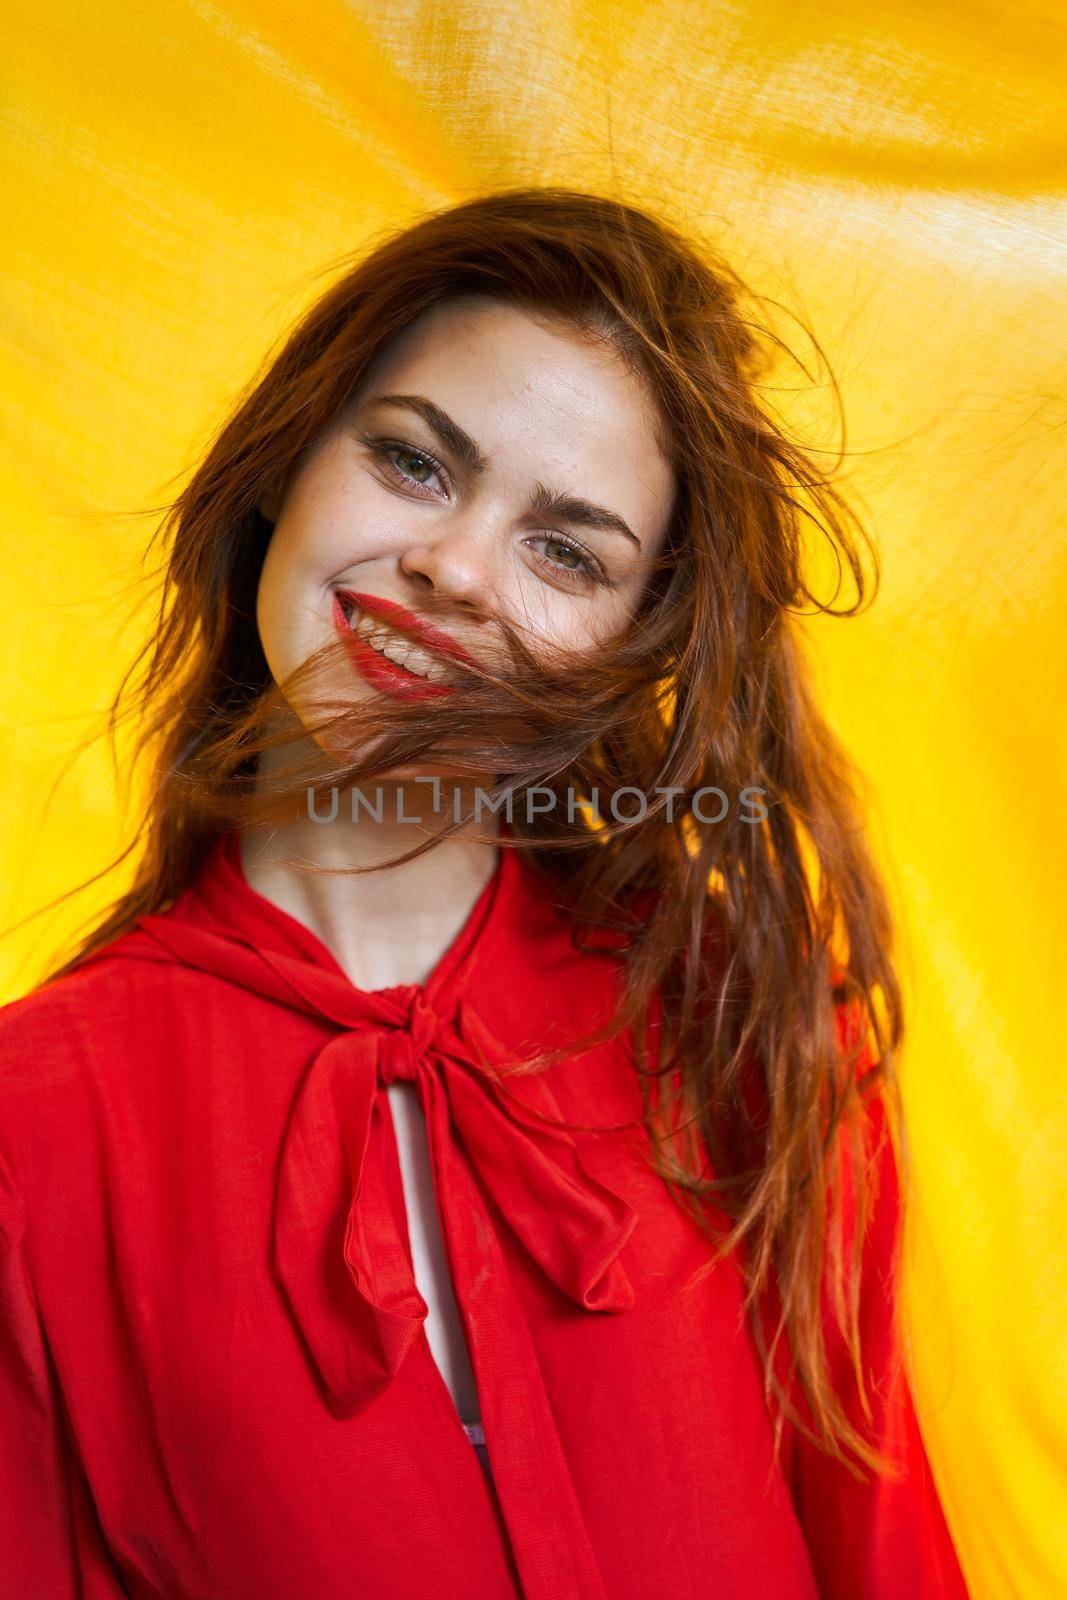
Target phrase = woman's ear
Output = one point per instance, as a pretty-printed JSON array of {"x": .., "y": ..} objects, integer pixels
[{"x": 269, "y": 502}]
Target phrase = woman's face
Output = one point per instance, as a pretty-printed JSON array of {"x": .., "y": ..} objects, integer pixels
[{"x": 513, "y": 471}]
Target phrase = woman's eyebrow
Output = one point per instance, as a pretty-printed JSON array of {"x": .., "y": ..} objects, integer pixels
[
  {"x": 548, "y": 502},
  {"x": 449, "y": 433}
]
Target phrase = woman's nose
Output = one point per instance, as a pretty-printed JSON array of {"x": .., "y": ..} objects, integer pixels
[{"x": 455, "y": 564}]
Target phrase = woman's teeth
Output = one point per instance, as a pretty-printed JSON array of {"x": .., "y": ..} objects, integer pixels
[{"x": 394, "y": 646}]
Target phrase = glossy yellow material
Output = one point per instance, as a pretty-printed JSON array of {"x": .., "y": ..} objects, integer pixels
[{"x": 176, "y": 175}]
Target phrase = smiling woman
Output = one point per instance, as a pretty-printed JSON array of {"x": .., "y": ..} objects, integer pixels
[{"x": 346, "y": 1142}]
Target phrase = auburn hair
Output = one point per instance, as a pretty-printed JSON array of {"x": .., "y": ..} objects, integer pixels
[{"x": 760, "y": 989}]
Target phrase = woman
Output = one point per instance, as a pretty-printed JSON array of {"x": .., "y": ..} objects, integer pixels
[{"x": 465, "y": 1161}]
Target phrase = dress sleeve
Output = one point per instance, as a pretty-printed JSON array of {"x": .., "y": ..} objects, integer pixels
[
  {"x": 886, "y": 1537},
  {"x": 50, "y": 1543}
]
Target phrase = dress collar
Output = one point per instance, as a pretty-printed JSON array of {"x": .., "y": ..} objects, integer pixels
[{"x": 221, "y": 896}]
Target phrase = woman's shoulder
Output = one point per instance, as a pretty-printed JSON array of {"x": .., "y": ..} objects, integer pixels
[
  {"x": 68, "y": 1030},
  {"x": 72, "y": 1006}
]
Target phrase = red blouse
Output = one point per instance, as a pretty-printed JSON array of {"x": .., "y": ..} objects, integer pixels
[{"x": 215, "y": 1382}]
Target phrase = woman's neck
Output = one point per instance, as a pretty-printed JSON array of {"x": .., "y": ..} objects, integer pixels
[{"x": 385, "y": 927}]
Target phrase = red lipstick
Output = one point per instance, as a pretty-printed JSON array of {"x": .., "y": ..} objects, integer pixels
[{"x": 377, "y": 669}]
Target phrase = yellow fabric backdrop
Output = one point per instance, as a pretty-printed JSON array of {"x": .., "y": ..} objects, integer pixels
[{"x": 175, "y": 173}]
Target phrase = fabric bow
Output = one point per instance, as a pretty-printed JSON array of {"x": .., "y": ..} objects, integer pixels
[{"x": 338, "y": 1248}]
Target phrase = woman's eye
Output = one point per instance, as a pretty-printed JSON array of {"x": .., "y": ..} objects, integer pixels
[
  {"x": 569, "y": 561},
  {"x": 420, "y": 462},
  {"x": 568, "y": 555}
]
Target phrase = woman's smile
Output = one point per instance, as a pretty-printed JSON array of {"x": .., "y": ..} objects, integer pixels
[{"x": 394, "y": 650}]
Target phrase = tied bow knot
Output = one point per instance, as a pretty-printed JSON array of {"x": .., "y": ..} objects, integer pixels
[
  {"x": 339, "y": 1245},
  {"x": 403, "y": 1048}
]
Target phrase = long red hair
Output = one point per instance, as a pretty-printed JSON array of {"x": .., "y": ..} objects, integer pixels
[{"x": 757, "y": 940}]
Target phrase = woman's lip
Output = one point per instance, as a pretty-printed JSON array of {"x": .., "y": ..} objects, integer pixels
[
  {"x": 404, "y": 621},
  {"x": 379, "y": 671}
]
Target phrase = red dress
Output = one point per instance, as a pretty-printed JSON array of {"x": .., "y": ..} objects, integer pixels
[{"x": 215, "y": 1382}]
